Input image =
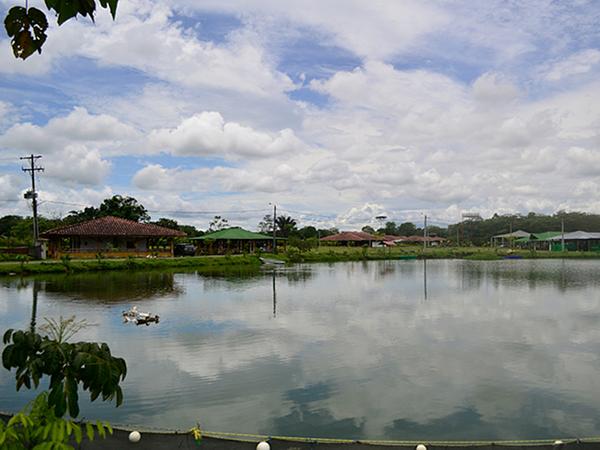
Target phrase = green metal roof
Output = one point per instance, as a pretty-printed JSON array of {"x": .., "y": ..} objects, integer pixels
[
  {"x": 545, "y": 235},
  {"x": 538, "y": 237},
  {"x": 234, "y": 233}
]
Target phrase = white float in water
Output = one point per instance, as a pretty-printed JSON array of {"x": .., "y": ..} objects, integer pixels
[
  {"x": 262, "y": 445},
  {"x": 421, "y": 447},
  {"x": 135, "y": 436}
]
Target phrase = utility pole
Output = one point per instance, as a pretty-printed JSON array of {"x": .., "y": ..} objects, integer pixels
[
  {"x": 32, "y": 194},
  {"x": 274, "y": 228},
  {"x": 425, "y": 234},
  {"x": 562, "y": 233}
]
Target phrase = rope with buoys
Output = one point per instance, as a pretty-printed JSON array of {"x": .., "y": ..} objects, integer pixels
[{"x": 247, "y": 437}]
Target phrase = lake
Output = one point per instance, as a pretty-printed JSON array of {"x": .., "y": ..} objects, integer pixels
[{"x": 383, "y": 350}]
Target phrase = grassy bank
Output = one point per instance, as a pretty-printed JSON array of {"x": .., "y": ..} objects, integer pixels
[
  {"x": 323, "y": 254},
  {"x": 201, "y": 263},
  {"x": 334, "y": 254}
]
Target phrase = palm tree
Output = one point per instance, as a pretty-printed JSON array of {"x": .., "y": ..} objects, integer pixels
[{"x": 285, "y": 224}]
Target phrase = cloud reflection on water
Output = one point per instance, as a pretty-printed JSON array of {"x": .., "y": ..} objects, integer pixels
[{"x": 504, "y": 349}]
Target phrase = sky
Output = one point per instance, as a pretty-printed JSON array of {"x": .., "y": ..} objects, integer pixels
[{"x": 336, "y": 111}]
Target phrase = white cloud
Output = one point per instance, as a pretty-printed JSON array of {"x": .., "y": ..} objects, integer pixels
[
  {"x": 207, "y": 134},
  {"x": 145, "y": 37},
  {"x": 161, "y": 47},
  {"x": 491, "y": 88},
  {"x": 386, "y": 28},
  {"x": 584, "y": 161},
  {"x": 155, "y": 177},
  {"x": 78, "y": 164},
  {"x": 59, "y": 132},
  {"x": 578, "y": 63}
]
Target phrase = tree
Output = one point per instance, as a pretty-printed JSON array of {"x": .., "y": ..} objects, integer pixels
[
  {"x": 167, "y": 223},
  {"x": 27, "y": 26},
  {"x": 407, "y": 229},
  {"x": 218, "y": 223},
  {"x": 266, "y": 224},
  {"x": 285, "y": 224},
  {"x": 88, "y": 213},
  {"x": 7, "y": 223},
  {"x": 191, "y": 230},
  {"x": 368, "y": 229},
  {"x": 124, "y": 207},
  {"x": 390, "y": 228},
  {"x": 308, "y": 232}
]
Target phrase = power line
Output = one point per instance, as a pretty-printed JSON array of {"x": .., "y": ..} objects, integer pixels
[
  {"x": 64, "y": 203},
  {"x": 192, "y": 212},
  {"x": 304, "y": 213}
]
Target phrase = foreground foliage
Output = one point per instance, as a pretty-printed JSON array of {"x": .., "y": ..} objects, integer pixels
[
  {"x": 38, "y": 427},
  {"x": 27, "y": 26},
  {"x": 66, "y": 364}
]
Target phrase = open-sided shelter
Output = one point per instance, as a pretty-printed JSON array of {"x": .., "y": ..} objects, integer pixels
[
  {"x": 111, "y": 237},
  {"x": 233, "y": 240},
  {"x": 509, "y": 237},
  {"x": 576, "y": 240}
]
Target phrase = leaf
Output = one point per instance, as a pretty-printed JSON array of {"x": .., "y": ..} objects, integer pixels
[
  {"x": 72, "y": 397},
  {"x": 112, "y": 4},
  {"x": 7, "y": 357},
  {"x": 77, "y": 433},
  {"x": 66, "y": 11},
  {"x": 89, "y": 430},
  {"x": 101, "y": 431},
  {"x": 19, "y": 23},
  {"x": 9, "y": 332}
]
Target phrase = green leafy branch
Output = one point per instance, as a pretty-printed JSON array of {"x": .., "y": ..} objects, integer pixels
[
  {"x": 67, "y": 365},
  {"x": 37, "y": 427},
  {"x": 27, "y": 26}
]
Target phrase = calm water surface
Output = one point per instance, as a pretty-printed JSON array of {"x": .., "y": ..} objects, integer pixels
[{"x": 391, "y": 350}]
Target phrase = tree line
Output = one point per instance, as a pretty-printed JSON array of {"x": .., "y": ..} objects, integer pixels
[{"x": 17, "y": 230}]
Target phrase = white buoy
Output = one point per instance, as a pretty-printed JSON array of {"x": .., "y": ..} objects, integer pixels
[
  {"x": 421, "y": 447},
  {"x": 263, "y": 445},
  {"x": 135, "y": 436}
]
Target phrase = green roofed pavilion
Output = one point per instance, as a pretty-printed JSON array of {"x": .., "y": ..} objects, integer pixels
[
  {"x": 545, "y": 235},
  {"x": 234, "y": 233},
  {"x": 233, "y": 240}
]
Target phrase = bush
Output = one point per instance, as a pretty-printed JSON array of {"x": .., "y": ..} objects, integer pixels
[
  {"x": 66, "y": 262},
  {"x": 293, "y": 254}
]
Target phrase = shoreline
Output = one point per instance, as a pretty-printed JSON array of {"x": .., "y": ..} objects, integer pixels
[{"x": 290, "y": 256}]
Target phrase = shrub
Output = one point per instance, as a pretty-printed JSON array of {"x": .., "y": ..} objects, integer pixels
[{"x": 293, "y": 254}]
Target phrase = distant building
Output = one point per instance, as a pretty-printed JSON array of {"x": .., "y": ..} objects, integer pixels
[
  {"x": 112, "y": 237},
  {"x": 352, "y": 238},
  {"x": 431, "y": 240},
  {"x": 576, "y": 241}
]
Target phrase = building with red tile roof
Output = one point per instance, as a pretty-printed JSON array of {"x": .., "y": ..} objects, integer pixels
[
  {"x": 111, "y": 237},
  {"x": 351, "y": 238}
]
